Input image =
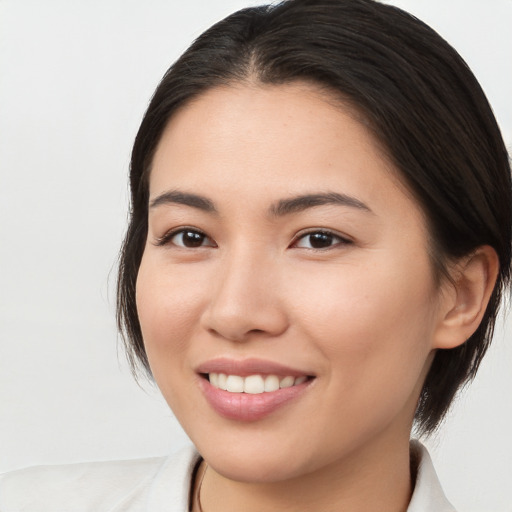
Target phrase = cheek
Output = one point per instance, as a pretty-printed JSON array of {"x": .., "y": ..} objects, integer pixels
[
  {"x": 375, "y": 322},
  {"x": 168, "y": 306},
  {"x": 374, "y": 335}
]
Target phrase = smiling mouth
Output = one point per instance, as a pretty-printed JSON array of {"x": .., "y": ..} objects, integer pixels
[
  {"x": 252, "y": 389},
  {"x": 253, "y": 384}
]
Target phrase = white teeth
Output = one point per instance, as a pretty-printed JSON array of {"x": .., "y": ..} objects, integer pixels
[
  {"x": 287, "y": 382},
  {"x": 253, "y": 384},
  {"x": 235, "y": 384},
  {"x": 214, "y": 379},
  {"x": 222, "y": 381},
  {"x": 271, "y": 383}
]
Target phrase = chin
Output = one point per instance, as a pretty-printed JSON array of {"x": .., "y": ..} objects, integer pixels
[
  {"x": 264, "y": 469},
  {"x": 260, "y": 460}
]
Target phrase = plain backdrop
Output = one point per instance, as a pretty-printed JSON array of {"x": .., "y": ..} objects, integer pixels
[{"x": 75, "y": 79}]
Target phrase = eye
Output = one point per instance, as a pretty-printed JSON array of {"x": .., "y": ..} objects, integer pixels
[
  {"x": 187, "y": 238},
  {"x": 319, "y": 240}
]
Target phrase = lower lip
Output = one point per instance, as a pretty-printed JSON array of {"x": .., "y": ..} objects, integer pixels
[{"x": 246, "y": 406}]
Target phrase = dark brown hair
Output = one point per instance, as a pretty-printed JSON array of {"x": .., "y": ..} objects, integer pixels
[{"x": 419, "y": 98}]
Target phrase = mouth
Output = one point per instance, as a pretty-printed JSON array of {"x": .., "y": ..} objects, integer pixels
[
  {"x": 253, "y": 384},
  {"x": 252, "y": 389}
]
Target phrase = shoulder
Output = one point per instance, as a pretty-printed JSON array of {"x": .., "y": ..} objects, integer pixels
[
  {"x": 428, "y": 494},
  {"x": 126, "y": 485}
]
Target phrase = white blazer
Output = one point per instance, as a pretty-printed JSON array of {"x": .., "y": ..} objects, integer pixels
[{"x": 159, "y": 484}]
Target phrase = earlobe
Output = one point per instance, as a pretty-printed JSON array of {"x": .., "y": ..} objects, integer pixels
[{"x": 473, "y": 280}]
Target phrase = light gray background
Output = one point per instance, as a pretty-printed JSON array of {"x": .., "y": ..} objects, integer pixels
[{"x": 75, "y": 78}]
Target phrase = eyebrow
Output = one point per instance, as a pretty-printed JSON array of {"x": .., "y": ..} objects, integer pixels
[
  {"x": 187, "y": 199},
  {"x": 279, "y": 209},
  {"x": 303, "y": 202}
]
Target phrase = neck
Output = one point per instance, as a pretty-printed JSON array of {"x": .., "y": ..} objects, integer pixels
[{"x": 374, "y": 478}]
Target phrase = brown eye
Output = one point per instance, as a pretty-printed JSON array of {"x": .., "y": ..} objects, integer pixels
[
  {"x": 190, "y": 239},
  {"x": 319, "y": 240}
]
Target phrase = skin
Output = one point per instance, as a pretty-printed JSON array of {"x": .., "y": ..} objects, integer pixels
[{"x": 363, "y": 315}]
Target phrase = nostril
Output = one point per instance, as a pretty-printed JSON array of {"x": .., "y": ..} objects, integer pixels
[{"x": 238, "y": 321}]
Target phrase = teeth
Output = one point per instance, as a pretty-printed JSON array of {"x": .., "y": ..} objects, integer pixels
[
  {"x": 214, "y": 379},
  {"x": 287, "y": 382},
  {"x": 253, "y": 384},
  {"x": 271, "y": 383},
  {"x": 235, "y": 384},
  {"x": 222, "y": 381}
]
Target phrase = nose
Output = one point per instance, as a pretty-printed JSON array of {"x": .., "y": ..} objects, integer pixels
[{"x": 245, "y": 300}]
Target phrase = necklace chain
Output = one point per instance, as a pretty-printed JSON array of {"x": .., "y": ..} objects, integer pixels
[{"x": 198, "y": 493}]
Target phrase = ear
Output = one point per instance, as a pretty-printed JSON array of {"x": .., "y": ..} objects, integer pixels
[{"x": 465, "y": 299}]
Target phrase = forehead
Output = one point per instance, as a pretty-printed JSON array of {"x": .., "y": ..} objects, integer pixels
[{"x": 253, "y": 139}]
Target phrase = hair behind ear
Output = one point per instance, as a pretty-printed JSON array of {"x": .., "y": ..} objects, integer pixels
[{"x": 464, "y": 336}]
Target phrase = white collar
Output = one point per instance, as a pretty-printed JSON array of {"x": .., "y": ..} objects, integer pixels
[
  {"x": 171, "y": 487},
  {"x": 428, "y": 494}
]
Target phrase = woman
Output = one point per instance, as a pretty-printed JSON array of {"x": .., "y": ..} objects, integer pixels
[{"x": 319, "y": 237}]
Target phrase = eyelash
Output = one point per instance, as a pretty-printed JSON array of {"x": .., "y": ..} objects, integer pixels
[
  {"x": 168, "y": 237},
  {"x": 324, "y": 232}
]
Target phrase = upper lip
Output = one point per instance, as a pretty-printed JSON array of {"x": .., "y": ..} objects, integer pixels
[{"x": 246, "y": 367}]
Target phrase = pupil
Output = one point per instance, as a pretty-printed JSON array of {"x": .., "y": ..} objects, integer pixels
[
  {"x": 319, "y": 240},
  {"x": 192, "y": 239}
]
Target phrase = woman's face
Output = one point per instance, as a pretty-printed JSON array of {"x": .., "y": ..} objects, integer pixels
[{"x": 282, "y": 249}]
